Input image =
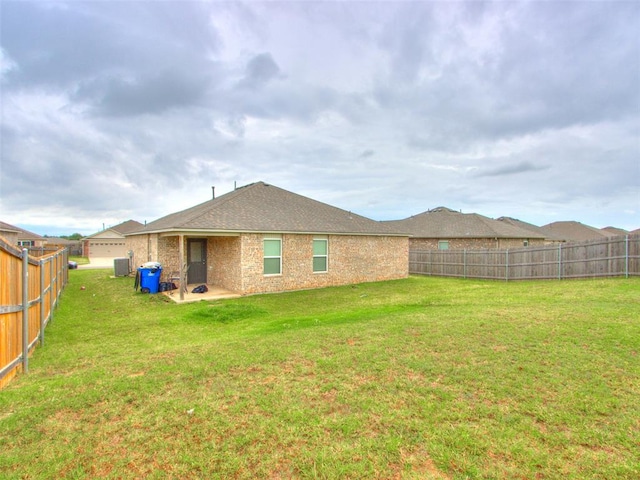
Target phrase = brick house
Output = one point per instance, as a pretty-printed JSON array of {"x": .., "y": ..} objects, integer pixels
[
  {"x": 110, "y": 242},
  {"x": 260, "y": 238},
  {"x": 9, "y": 233},
  {"x": 21, "y": 237},
  {"x": 444, "y": 229}
]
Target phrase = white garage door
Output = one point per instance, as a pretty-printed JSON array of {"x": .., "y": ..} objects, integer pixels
[{"x": 107, "y": 248}]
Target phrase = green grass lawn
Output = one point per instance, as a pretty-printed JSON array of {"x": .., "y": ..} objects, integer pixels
[{"x": 417, "y": 378}]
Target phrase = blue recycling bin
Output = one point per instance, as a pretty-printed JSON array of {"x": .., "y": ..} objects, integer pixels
[{"x": 150, "y": 277}]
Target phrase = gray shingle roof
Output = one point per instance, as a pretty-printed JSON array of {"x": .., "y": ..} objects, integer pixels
[
  {"x": 530, "y": 227},
  {"x": 123, "y": 228},
  {"x": 614, "y": 231},
  {"x": 22, "y": 233},
  {"x": 6, "y": 227},
  {"x": 443, "y": 222},
  {"x": 128, "y": 226},
  {"x": 574, "y": 231},
  {"x": 260, "y": 207}
]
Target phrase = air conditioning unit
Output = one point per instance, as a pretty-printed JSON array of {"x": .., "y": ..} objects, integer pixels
[{"x": 121, "y": 267}]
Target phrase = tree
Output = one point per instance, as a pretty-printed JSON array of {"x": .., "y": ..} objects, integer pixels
[{"x": 75, "y": 236}]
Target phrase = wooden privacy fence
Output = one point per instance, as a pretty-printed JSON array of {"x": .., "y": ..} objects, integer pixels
[
  {"x": 609, "y": 257},
  {"x": 29, "y": 291}
]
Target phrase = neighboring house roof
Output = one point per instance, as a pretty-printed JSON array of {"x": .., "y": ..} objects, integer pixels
[
  {"x": 119, "y": 230},
  {"x": 61, "y": 241},
  {"x": 260, "y": 207},
  {"x": 635, "y": 232},
  {"x": 443, "y": 222},
  {"x": 613, "y": 231},
  {"x": 128, "y": 226},
  {"x": 8, "y": 234},
  {"x": 530, "y": 227},
  {"x": 574, "y": 231},
  {"x": 5, "y": 227},
  {"x": 22, "y": 233}
]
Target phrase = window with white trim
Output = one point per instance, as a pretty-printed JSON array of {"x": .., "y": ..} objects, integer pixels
[
  {"x": 320, "y": 255},
  {"x": 272, "y": 256}
]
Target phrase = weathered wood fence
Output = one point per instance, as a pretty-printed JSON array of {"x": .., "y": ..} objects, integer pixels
[
  {"x": 29, "y": 291},
  {"x": 609, "y": 257}
]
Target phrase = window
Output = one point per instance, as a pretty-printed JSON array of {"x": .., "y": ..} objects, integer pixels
[
  {"x": 272, "y": 256},
  {"x": 320, "y": 254},
  {"x": 443, "y": 245},
  {"x": 526, "y": 243},
  {"x": 26, "y": 243}
]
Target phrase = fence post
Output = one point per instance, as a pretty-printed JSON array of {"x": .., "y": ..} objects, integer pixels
[
  {"x": 54, "y": 288},
  {"x": 506, "y": 266},
  {"x": 559, "y": 261},
  {"x": 626, "y": 256},
  {"x": 25, "y": 310},
  {"x": 464, "y": 263}
]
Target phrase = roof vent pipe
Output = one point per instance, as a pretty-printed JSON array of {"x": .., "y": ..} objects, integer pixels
[{"x": 213, "y": 192}]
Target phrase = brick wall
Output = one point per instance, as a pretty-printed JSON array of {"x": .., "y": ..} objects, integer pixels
[
  {"x": 236, "y": 263},
  {"x": 144, "y": 248},
  {"x": 471, "y": 243},
  {"x": 223, "y": 262},
  {"x": 352, "y": 259},
  {"x": 168, "y": 249}
]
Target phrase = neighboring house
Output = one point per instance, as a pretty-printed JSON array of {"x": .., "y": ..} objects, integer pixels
[
  {"x": 444, "y": 229},
  {"x": 21, "y": 237},
  {"x": 550, "y": 238},
  {"x": 574, "y": 231},
  {"x": 73, "y": 246},
  {"x": 614, "y": 232},
  {"x": 9, "y": 233},
  {"x": 260, "y": 238},
  {"x": 109, "y": 243}
]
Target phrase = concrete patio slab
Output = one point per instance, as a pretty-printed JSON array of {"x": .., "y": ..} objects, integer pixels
[{"x": 214, "y": 293}]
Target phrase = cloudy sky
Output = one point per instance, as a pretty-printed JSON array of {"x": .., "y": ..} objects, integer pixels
[{"x": 117, "y": 110}]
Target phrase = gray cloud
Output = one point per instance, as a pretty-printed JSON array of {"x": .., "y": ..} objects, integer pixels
[
  {"x": 526, "y": 109},
  {"x": 57, "y": 44},
  {"x": 152, "y": 95},
  {"x": 260, "y": 70},
  {"x": 510, "y": 169}
]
